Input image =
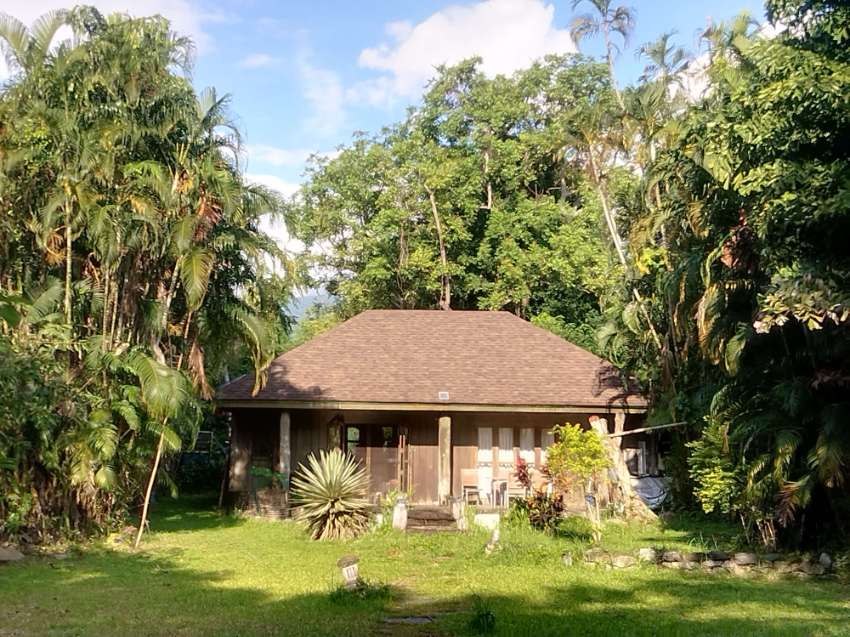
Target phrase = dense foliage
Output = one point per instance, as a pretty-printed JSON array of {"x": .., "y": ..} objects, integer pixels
[
  {"x": 472, "y": 202},
  {"x": 749, "y": 281},
  {"x": 705, "y": 230},
  {"x": 697, "y": 238},
  {"x": 130, "y": 258}
]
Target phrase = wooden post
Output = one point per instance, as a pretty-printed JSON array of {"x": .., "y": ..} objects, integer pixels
[
  {"x": 240, "y": 457},
  {"x": 444, "y": 468},
  {"x": 335, "y": 434},
  {"x": 284, "y": 458}
]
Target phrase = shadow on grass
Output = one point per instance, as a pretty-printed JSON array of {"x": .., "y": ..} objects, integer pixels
[
  {"x": 190, "y": 513},
  {"x": 121, "y": 593},
  {"x": 703, "y": 529},
  {"x": 693, "y": 607}
]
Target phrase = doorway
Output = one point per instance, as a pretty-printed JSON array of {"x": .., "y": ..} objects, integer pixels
[{"x": 382, "y": 450}]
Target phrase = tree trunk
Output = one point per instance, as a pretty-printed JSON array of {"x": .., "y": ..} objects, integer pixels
[
  {"x": 445, "y": 279},
  {"x": 608, "y": 213},
  {"x": 148, "y": 491},
  {"x": 489, "y": 205},
  {"x": 68, "y": 262},
  {"x": 610, "y": 57}
]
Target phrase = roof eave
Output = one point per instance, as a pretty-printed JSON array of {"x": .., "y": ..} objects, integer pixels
[{"x": 617, "y": 406}]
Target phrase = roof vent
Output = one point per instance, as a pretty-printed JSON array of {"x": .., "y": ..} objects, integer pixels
[{"x": 443, "y": 395}]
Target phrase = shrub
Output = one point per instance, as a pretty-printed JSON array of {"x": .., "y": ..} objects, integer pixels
[
  {"x": 522, "y": 474},
  {"x": 576, "y": 457},
  {"x": 483, "y": 621},
  {"x": 575, "y": 527},
  {"x": 329, "y": 496},
  {"x": 541, "y": 510}
]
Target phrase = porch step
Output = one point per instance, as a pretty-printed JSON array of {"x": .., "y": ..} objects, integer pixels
[{"x": 430, "y": 520}]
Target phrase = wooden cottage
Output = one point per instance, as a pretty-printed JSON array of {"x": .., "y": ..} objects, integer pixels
[{"x": 435, "y": 403}]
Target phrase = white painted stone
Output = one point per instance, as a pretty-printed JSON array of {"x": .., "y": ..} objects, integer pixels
[
  {"x": 400, "y": 514},
  {"x": 489, "y": 521}
]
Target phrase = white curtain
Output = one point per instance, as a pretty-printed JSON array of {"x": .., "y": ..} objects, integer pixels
[
  {"x": 506, "y": 445},
  {"x": 485, "y": 444},
  {"x": 526, "y": 444},
  {"x": 547, "y": 438}
]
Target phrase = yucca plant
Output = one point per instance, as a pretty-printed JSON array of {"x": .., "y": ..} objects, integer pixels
[{"x": 329, "y": 495}]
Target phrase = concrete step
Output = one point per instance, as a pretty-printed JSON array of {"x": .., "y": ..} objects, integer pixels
[
  {"x": 419, "y": 528},
  {"x": 430, "y": 514},
  {"x": 430, "y": 519}
]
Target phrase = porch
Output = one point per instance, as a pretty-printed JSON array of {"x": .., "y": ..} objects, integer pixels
[{"x": 430, "y": 455}]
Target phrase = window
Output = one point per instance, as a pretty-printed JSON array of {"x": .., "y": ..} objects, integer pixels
[
  {"x": 547, "y": 439},
  {"x": 389, "y": 437},
  {"x": 352, "y": 438},
  {"x": 485, "y": 445},
  {"x": 506, "y": 445},
  {"x": 526, "y": 444}
]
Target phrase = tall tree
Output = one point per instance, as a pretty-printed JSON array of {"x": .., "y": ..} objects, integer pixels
[
  {"x": 117, "y": 176},
  {"x": 609, "y": 22}
]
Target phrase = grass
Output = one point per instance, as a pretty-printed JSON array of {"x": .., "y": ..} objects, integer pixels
[{"x": 205, "y": 574}]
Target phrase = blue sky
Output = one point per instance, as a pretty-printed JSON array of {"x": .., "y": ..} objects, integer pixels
[{"x": 304, "y": 75}]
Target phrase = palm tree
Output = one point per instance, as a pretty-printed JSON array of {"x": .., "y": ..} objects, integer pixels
[
  {"x": 25, "y": 49},
  {"x": 665, "y": 61},
  {"x": 724, "y": 38},
  {"x": 608, "y": 21}
]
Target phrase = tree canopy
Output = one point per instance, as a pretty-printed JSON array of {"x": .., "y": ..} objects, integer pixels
[{"x": 131, "y": 256}]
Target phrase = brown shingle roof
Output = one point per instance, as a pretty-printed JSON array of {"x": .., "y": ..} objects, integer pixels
[{"x": 410, "y": 356}]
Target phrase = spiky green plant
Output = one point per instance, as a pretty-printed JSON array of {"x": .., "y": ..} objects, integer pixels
[{"x": 329, "y": 495}]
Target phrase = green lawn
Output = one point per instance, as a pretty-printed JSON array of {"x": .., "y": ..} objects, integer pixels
[{"x": 204, "y": 574}]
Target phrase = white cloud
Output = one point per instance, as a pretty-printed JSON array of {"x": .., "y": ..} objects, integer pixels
[
  {"x": 187, "y": 16},
  {"x": 285, "y": 188},
  {"x": 507, "y": 34},
  {"x": 277, "y": 156},
  {"x": 324, "y": 94},
  {"x": 257, "y": 60},
  {"x": 275, "y": 227}
]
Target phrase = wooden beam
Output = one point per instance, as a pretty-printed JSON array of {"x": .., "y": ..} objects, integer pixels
[
  {"x": 618, "y": 434},
  {"x": 348, "y": 405}
]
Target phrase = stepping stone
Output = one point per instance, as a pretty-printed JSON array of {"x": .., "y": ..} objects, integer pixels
[
  {"x": 10, "y": 554},
  {"x": 410, "y": 619}
]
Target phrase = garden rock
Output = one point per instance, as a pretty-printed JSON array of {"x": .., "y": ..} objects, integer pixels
[
  {"x": 623, "y": 561},
  {"x": 812, "y": 568},
  {"x": 711, "y": 564},
  {"x": 674, "y": 565},
  {"x": 718, "y": 556},
  {"x": 826, "y": 560},
  {"x": 746, "y": 559},
  {"x": 693, "y": 557},
  {"x": 771, "y": 557},
  {"x": 10, "y": 554},
  {"x": 671, "y": 556},
  {"x": 597, "y": 556},
  {"x": 648, "y": 555}
]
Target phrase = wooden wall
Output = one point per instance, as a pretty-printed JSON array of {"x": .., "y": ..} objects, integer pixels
[{"x": 310, "y": 432}]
